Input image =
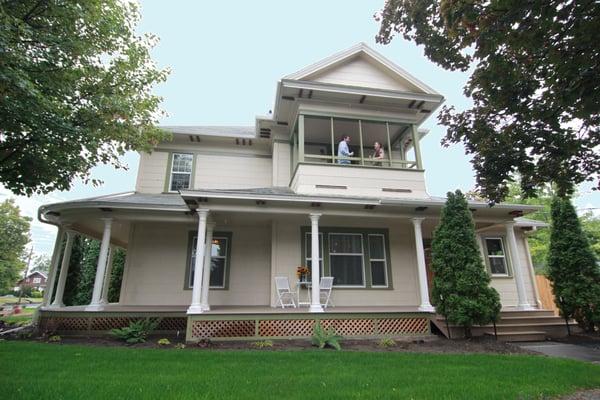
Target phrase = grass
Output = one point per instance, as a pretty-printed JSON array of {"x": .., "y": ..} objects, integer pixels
[
  {"x": 13, "y": 300},
  {"x": 73, "y": 372}
]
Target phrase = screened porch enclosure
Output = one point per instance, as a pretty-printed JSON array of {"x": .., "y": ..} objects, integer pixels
[{"x": 316, "y": 139}]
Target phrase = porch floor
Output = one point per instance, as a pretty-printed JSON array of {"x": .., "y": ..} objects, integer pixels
[{"x": 231, "y": 310}]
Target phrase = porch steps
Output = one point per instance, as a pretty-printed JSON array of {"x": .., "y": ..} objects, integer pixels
[{"x": 534, "y": 325}]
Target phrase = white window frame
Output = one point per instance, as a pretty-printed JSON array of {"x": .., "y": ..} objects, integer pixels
[
  {"x": 179, "y": 172},
  {"x": 488, "y": 256},
  {"x": 193, "y": 257},
  {"x": 362, "y": 257},
  {"x": 308, "y": 243},
  {"x": 384, "y": 259},
  {"x": 37, "y": 280}
]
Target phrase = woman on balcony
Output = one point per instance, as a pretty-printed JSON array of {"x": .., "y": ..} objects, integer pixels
[{"x": 378, "y": 154}]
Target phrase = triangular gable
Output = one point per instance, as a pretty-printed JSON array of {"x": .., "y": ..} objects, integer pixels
[{"x": 363, "y": 67}]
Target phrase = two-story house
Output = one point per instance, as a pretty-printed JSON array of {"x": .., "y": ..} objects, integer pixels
[{"x": 219, "y": 212}]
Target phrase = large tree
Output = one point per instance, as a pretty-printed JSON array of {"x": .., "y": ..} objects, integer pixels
[
  {"x": 534, "y": 84},
  {"x": 75, "y": 90},
  {"x": 461, "y": 284},
  {"x": 14, "y": 235},
  {"x": 573, "y": 268}
]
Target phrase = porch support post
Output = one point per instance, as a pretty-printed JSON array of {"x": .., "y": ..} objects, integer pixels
[
  {"x": 53, "y": 267},
  {"x": 101, "y": 268},
  {"x": 523, "y": 304},
  {"x": 106, "y": 285},
  {"x": 196, "y": 306},
  {"x": 64, "y": 270},
  {"x": 315, "y": 304},
  {"x": 423, "y": 289},
  {"x": 210, "y": 227}
]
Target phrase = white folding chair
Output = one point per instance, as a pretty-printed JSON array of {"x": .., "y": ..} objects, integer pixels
[
  {"x": 285, "y": 296},
  {"x": 325, "y": 286}
]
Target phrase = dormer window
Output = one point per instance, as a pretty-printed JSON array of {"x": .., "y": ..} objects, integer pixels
[{"x": 181, "y": 171}]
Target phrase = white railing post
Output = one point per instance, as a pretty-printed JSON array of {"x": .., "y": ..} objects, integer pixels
[
  {"x": 210, "y": 226},
  {"x": 64, "y": 271},
  {"x": 523, "y": 304},
  {"x": 54, "y": 261},
  {"x": 101, "y": 266},
  {"x": 421, "y": 268},
  {"x": 196, "y": 306},
  {"x": 315, "y": 304}
]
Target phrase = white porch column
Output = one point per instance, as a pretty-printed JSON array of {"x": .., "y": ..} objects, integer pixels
[
  {"x": 101, "y": 268},
  {"x": 517, "y": 267},
  {"x": 64, "y": 270},
  {"x": 210, "y": 227},
  {"x": 196, "y": 306},
  {"x": 106, "y": 283},
  {"x": 53, "y": 267},
  {"x": 315, "y": 304},
  {"x": 423, "y": 287}
]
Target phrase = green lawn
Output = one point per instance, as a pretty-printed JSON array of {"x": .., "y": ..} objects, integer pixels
[
  {"x": 14, "y": 299},
  {"x": 78, "y": 372},
  {"x": 23, "y": 318}
]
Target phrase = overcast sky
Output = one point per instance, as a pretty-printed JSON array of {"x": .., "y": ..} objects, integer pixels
[{"x": 226, "y": 58}]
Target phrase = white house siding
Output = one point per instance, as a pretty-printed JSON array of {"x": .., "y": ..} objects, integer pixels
[
  {"x": 359, "y": 181},
  {"x": 506, "y": 286},
  {"x": 286, "y": 257},
  {"x": 157, "y": 258},
  {"x": 152, "y": 172},
  {"x": 232, "y": 172},
  {"x": 281, "y": 164},
  {"x": 360, "y": 72}
]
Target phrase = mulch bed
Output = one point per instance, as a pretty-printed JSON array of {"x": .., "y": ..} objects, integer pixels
[{"x": 427, "y": 344}]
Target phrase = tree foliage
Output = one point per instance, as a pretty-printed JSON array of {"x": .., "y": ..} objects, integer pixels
[
  {"x": 534, "y": 85},
  {"x": 573, "y": 268},
  {"x": 75, "y": 90},
  {"x": 82, "y": 272},
  {"x": 461, "y": 290},
  {"x": 14, "y": 235}
]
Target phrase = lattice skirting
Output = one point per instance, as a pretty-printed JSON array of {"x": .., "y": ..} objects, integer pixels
[
  {"x": 303, "y": 328},
  {"x": 66, "y": 324}
]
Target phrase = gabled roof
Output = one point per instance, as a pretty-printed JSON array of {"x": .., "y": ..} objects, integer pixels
[{"x": 360, "y": 50}]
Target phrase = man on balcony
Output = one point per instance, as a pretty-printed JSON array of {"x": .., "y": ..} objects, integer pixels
[{"x": 344, "y": 151}]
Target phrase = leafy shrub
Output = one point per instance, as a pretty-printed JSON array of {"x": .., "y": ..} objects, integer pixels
[
  {"x": 262, "y": 344},
  {"x": 137, "y": 331},
  {"x": 325, "y": 337},
  {"x": 54, "y": 338},
  {"x": 387, "y": 342},
  {"x": 163, "y": 342},
  {"x": 36, "y": 294},
  {"x": 179, "y": 346}
]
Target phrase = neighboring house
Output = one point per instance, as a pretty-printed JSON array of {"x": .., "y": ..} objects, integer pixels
[
  {"x": 36, "y": 280},
  {"x": 256, "y": 195}
]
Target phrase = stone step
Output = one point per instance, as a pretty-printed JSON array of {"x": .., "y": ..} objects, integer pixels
[{"x": 526, "y": 336}]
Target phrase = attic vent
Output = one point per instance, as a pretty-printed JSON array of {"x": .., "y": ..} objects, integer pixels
[
  {"x": 194, "y": 138},
  {"x": 243, "y": 142},
  {"x": 331, "y": 187},
  {"x": 265, "y": 133},
  {"x": 396, "y": 190}
]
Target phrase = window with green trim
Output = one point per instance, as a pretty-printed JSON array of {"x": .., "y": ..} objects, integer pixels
[
  {"x": 219, "y": 263},
  {"x": 355, "y": 258},
  {"x": 181, "y": 171}
]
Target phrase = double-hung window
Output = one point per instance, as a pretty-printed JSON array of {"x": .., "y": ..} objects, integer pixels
[
  {"x": 346, "y": 259},
  {"x": 181, "y": 171},
  {"x": 356, "y": 258},
  {"x": 219, "y": 261},
  {"x": 496, "y": 256}
]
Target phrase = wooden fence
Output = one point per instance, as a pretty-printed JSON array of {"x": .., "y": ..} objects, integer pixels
[{"x": 545, "y": 292}]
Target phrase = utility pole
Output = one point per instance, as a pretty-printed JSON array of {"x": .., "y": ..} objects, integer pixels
[{"x": 26, "y": 273}]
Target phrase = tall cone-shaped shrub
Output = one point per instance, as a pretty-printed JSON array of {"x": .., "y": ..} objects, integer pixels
[
  {"x": 572, "y": 267},
  {"x": 461, "y": 284}
]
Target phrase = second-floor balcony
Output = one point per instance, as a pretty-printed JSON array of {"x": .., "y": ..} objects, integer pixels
[{"x": 370, "y": 143}]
